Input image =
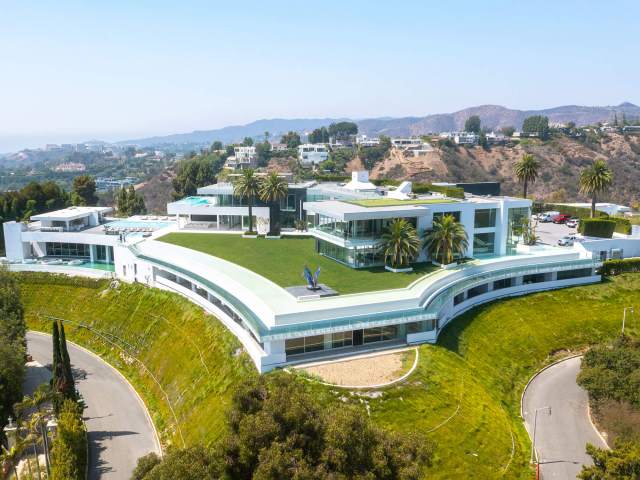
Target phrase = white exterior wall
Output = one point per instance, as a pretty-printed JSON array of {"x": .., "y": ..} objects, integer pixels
[
  {"x": 630, "y": 246},
  {"x": 16, "y": 250}
]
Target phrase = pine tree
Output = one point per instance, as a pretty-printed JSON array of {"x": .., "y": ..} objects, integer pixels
[
  {"x": 69, "y": 385},
  {"x": 57, "y": 369}
]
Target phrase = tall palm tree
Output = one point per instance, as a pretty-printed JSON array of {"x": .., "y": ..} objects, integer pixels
[
  {"x": 526, "y": 170},
  {"x": 595, "y": 180},
  {"x": 273, "y": 189},
  {"x": 247, "y": 187},
  {"x": 446, "y": 239},
  {"x": 400, "y": 243}
]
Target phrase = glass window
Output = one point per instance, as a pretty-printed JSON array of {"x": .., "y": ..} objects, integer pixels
[
  {"x": 533, "y": 278},
  {"x": 517, "y": 223},
  {"x": 483, "y": 244},
  {"x": 504, "y": 283},
  {"x": 479, "y": 290},
  {"x": 341, "y": 339},
  {"x": 458, "y": 299},
  {"x": 578, "y": 273},
  {"x": 294, "y": 346},
  {"x": 438, "y": 215},
  {"x": 485, "y": 218}
]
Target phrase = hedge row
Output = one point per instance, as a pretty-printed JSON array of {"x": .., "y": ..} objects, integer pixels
[
  {"x": 44, "y": 278},
  {"x": 616, "y": 267},
  {"x": 622, "y": 225},
  {"x": 597, "y": 227},
  {"x": 69, "y": 451}
]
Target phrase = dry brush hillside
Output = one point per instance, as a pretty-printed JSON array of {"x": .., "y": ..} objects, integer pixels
[{"x": 561, "y": 161}]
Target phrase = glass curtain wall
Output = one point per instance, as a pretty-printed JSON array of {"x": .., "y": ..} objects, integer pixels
[
  {"x": 70, "y": 250},
  {"x": 516, "y": 223},
  {"x": 355, "y": 257},
  {"x": 485, "y": 218}
]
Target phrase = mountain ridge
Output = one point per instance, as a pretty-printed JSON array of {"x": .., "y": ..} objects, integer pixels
[{"x": 492, "y": 116}]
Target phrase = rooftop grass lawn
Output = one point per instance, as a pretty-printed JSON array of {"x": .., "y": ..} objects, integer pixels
[
  {"x": 282, "y": 261},
  {"x": 388, "y": 202}
]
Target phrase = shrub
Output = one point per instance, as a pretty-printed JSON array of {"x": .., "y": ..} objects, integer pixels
[
  {"x": 69, "y": 452},
  {"x": 597, "y": 227},
  {"x": 616, "y": 267}
]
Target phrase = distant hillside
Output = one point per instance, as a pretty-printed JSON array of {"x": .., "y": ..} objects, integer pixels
[
  {"x": 561, "y": 161},
  {"x": 492, "y": 116}
]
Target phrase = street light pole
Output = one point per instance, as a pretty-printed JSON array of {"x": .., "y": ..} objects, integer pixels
[
  {"x": 535, "y": 425},
  {"x": 624, "y": 317}
]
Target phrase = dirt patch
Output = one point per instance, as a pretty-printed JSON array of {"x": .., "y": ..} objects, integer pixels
[
  {"x": 618, "y": 420},
  {"x": 368, "y": 371}
]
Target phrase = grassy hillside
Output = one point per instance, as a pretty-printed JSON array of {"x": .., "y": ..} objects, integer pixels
[
  {"x": 193, "y": 357},
  {"x": 464, "y": 394}
]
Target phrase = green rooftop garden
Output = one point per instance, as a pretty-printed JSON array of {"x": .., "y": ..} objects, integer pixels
[
  {"x": 282, "y": 261},
  {"x": 391, "y": 202}
]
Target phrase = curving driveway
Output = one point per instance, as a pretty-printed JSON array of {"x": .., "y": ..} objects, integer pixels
[
  {"x": 562, "y": 436},
  {"x": 119, "y": 427}
]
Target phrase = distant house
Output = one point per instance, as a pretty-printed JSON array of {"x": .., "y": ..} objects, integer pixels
[
  {"x": 364, "y": 141},
  {"x": 70, "y": 167},
  {"x": 278, "y": 147},
  {"x": 465, "y": 138},
  {"x": 526, "y": 134},
  {"x": 312, "y": 153},
  {"x": 403, "y": 143},
  {"x": 494, "y": 138},
  {"x": 244, "y": 157},
  {"x": 635, "y": 129}
]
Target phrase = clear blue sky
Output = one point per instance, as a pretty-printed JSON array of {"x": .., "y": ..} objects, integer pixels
[{"x": 119, "y": 69}]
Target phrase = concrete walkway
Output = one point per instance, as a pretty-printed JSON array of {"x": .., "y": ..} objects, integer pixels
[
  {"x": 120, "y": 430},
  {"x": 562, "y": 436}
]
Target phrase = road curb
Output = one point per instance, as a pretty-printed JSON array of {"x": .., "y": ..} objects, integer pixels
[{"x": 131, "y": 387}]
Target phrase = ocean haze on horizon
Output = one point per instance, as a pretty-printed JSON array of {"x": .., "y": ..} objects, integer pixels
[{"x": 121, "y": 70}]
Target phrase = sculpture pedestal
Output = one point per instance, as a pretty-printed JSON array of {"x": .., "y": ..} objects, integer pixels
[{"x": 303, "y": 292}]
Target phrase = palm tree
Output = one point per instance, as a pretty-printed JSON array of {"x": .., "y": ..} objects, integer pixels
[
  {"x": 526, "y": 170},
  {"x": 594, "y": 180},
  {"x": 400, "y": 243},
  {"x": 273, "y": 189},
  {"x": 247, "y": 187},
  {"x": 446, "y": 239}
]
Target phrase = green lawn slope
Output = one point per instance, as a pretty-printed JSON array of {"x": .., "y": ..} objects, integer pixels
[
  {"x": 464, "y": 394},
  {"x": 193, "y": 361}
]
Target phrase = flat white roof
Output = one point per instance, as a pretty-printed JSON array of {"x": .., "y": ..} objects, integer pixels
[
  {"x": 71, "y": 213},
  {"x": 346, "y": 211}
]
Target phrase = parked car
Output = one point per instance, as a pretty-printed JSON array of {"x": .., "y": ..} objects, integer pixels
[
  {"x": 546, "y": 217},
  {"x": 572, "y": 223},
  {"x": 562, "y": 218},
  {"x": 567, "y": 240}
]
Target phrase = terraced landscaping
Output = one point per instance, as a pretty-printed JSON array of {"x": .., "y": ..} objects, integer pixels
[
  {"x": 464, "y": 393},
  {"x": 282, "y": 261}
]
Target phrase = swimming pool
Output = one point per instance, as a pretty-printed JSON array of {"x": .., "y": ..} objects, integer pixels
[
  {"x": 147, "y": 224},
  {"x": 194, "y": 201}
]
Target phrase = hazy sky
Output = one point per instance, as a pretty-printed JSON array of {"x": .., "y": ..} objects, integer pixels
[{"x": 120, "y": 69}]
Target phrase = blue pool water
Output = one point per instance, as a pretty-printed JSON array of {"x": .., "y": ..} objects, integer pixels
[
  {"x": 137, "y": 224},
  {"x": 194, "y": 201}
]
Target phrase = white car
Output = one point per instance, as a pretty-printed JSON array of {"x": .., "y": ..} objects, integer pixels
[
  {"x": 567, "y": 240},
  {"x": 572, "y": 223}
]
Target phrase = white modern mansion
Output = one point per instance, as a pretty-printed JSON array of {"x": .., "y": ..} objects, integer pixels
[{"x": 278, "y": 326}]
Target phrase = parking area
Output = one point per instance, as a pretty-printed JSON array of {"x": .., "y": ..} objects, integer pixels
[{"x": 550, "y": 233}]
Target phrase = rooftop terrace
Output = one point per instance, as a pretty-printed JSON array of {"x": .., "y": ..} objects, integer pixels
[{"x": 392, "y": 202}]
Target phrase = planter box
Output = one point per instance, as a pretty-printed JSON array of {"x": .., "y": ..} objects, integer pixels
[
  {"x": 398, "y": 270},
  {"x": 272, "y": 237},
  {"x": 255, "y": 235},
  {"x": 448, "y": 266}
]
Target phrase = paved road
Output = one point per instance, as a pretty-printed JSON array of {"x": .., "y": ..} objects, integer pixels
[
  {"x": 560, "y": 437},
  {"x": 120, "y": 430}
]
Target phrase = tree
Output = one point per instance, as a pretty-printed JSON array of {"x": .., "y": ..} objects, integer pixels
[
  {"x": 400, "y": 243},
  {"x": 342, "y": 130},
  {"x": 291, "y": 140},
  {"x": 247, "y": 142},
  {"x": 144, "y": 465},
  {"x": 621, "y": 463},
  {"x": 273, "y": 189},
  {"x": 263, "y": 153},
  {"x": 537, "y": 124},
  {"x": 319, "y": 135},
  {"x": 595, "y": 180},
  {"x": 508, "y": 131},
  {"x": 247, "y": 187},
  {"x": 69, "y": 384},
  {"x": 446, "y": 239},
  {"x": 196, "y": 172},
  {"x": 122, "y": 202},
  {"x": 526, "y": 170},
  {"x": 84, "y": 191},
  {"x": 12, "y": 346},
  {"x": 472, "y": 124},
  {"x": 217, "y": 145},
  {"x": 57, "y": 367}
]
